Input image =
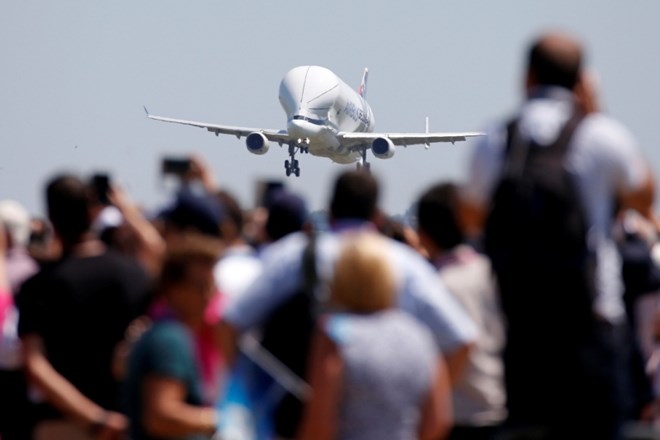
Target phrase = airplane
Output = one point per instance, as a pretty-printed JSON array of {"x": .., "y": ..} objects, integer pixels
[{"x": 326, "y": 118}]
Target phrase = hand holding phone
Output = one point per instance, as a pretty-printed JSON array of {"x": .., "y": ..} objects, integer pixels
[
  {"x": 176, "y": 166},
  {"x": 101, "y": 185}
]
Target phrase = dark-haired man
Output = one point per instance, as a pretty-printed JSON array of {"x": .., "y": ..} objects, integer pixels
[
  {"x": 478, "y": 396},
  {"x": 564, "y": 375},
  {"x": 72, "y": 315}
]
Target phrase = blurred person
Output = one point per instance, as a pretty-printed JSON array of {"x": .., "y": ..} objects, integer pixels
[
  {"x": 16, "y": 221},
  {"x": 478, "y": 397},
  {"x": 121, "y": 225},
  {"x": 287, "y": 213},
  {"x": 565, "y": 365},
  {"x": 197, "y": 211},
  {"x": 5, "y": 289},
  {"x": 43, "y": 246},
  {"x": 163, "y": 389},
  {"x": 15, "y": 266},
  {"x": 375, "y": 371},
  {"x": 72, "y": 314},
  {"x": 399, "y": 231},
  {"x": 239, "y": 265},
  {"x": 635, "y": 238},
  {"x": 287, "y": 271},
  {"x": 191, "y": 211}
]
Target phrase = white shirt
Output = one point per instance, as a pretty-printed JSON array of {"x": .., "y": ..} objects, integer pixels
[
  {"x": 606, "y": 161},
  {"x": 235, "y": 271}
]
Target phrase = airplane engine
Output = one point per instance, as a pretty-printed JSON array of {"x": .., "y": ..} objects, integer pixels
[
  {"x": 257, "y": 143},
  {"x": 383, "y": 148}
]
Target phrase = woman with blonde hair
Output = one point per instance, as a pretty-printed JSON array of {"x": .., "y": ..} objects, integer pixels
[{"x": 375, "y": 372}]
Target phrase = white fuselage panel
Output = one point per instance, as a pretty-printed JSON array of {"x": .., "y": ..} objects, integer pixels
[{"x": 318, "y": 105}]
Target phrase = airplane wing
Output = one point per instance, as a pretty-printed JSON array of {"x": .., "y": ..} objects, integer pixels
[
  {"x": 279, "y": 136},
  {"x": 405, "y": 139}
]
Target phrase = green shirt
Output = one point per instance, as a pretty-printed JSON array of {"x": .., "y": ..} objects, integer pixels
[{"x": 165, "y": 350}]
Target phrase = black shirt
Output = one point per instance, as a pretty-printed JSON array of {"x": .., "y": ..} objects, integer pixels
[{"x": 80, "y": 307}]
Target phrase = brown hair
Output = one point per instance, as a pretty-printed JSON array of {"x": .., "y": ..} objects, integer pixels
[
  {"x": 555, "y": 58},
  {"x": 188, "y": 250},
  {"x": 363, "y": 281}
]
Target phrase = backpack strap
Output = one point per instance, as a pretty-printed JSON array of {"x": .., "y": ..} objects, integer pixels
[
  {"x": 309, "y": 266},
  {"x": 516, "y": 150},
  {"x": 563, "y": 141}
]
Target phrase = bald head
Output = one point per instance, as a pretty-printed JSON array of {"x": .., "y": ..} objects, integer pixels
[{"x": 555, "y": 59}]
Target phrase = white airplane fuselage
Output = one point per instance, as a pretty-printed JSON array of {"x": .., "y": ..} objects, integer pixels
[
  {"x": 327, "y": 118},
  {"x": 318, "y": 105}
]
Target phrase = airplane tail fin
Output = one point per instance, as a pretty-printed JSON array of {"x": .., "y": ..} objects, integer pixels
[{"x": 363, "y": 84}]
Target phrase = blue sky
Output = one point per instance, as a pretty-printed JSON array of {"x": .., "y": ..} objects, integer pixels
[{"x": 75, "y": 75}]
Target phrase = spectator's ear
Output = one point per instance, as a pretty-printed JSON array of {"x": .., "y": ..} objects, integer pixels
[
  {"x": 530, "y": 81},
  {"x": 228, "y": 230},
  {"x": 586, "y": 93},
  {"x": 426, "y": 244}
]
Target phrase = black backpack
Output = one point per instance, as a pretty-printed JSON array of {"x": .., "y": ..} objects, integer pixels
[
  {"x": 536, "y": 237},
  {"x": 287, "y": 336}
]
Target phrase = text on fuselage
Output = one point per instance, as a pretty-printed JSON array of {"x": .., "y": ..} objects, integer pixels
[{"x": 356, "y": 113}]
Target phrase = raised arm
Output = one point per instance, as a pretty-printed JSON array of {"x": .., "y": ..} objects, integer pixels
[
  {"x": 166, "y": 414},
  {"x": 150, "y": 244}
]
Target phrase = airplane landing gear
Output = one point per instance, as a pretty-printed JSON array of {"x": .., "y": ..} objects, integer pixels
[
  {"x": 291, "y": 165},
  {"x": 364, "y": 165}
]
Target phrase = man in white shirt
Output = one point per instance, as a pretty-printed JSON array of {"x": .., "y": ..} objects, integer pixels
[{"x": 610, "y": 173}]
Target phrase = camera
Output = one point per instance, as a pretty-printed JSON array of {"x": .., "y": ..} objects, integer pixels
[
  {"x": 176, "y": 166},
  {"x": 101, "y": 185}
]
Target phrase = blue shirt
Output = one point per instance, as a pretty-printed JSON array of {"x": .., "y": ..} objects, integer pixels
[{"x": 419, "y": 291}]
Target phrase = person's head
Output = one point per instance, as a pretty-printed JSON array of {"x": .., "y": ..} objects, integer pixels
[
  {"x": 355, "y": 196},
  {"x": 68, "y": 201},
  {"x": 554, "y": 59},
  {"x": 192, "y": 212},
  {"x": 398, "y": 231},
  {"x": 186, "y": 280},
  {"x": 438, "y": 218},
  {"x": 287, "y": 213},
  {"x": 231, "y": 226},
  {"x": 363, "y": 281},
  {"x": 16, "y": 221}
]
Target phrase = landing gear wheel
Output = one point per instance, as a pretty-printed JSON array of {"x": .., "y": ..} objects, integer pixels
[{"x": 291, "y": 165}]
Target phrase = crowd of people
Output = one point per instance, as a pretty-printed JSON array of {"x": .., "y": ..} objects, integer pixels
[{"x": 520, "y": 304}]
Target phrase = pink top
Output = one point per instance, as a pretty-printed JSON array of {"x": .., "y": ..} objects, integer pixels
[
  {"x": 6, "y": 302},
  {"x": 209, "y": 357}
]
